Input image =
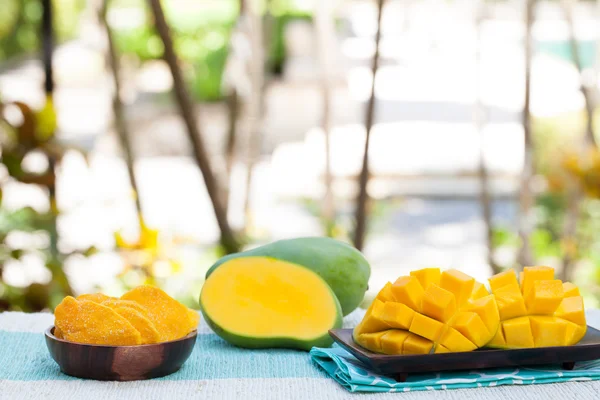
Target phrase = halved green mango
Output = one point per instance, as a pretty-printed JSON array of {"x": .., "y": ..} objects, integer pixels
[{"x": 262, "y": 302}]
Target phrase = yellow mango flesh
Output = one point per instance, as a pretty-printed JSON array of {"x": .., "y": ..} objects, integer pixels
[
  {"x": 508, "y": 277},
  {"x": 540, "y": 312},
  {"x": 479, "y": 291},
  {"x": 372, "y": 341},
  {"x": 454, "y": 341},
  {"x": 439, "y": 349},
  {"x": 397, "y": 315},
  {"x": 427, "y": 276},
  {"x": 517, "y": 332},
  {"x": 417, "y": 320},
  {"x": 392, "y": 341},
  {"x": 373, "y": 319},
  {"x": 487, "y": 309},
  {"x": 511, "y": 303},
  {"x": 426, "y": 327},
  {"x": 570, "y": 290},
  {"x": 472, "y": 327},
  {"x": 386, "y": 293},
  {"x": 407, "y": 290},
  {"x": 548, "y": 331},
  {"x": 438, "y": 303},
  {"x": 458, "y": 283},
  {"x": 534, "y": 274},
  {"x": 264, "y": 298},
  {"x": 415, "y": 344},
  {"x": 544, "y": 297}
]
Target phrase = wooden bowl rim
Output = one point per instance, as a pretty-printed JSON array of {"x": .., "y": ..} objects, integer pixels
[{"x": 51, "y": 336}]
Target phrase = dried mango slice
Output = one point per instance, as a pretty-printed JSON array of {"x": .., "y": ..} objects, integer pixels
[
  {"x": 58, "y": 333},
  {"x": 170, "y": 317},
  {"x": 85, "y": 321},
  {"x": 194, "y": 318},
  {"x": 143, "y": 325},
  {"x": 95, "y": 297},
  {"x": 118, "y": 303}
]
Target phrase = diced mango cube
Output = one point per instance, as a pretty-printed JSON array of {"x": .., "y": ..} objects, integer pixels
[
  {"x": 438, "y": 303},
  {"x": 427, "y": 276},
  {"x": 427, "y": 327},
  {"x": 372, "y": 321},
  {"x": 371, "y": 341},
  {"x": 455, "y": 341},
  {"x": 498, "y": 341},
  {"x": 487, "y": 309},
  {"x": 520, "y": 278},
  {"x": 502, "y": 279},
  {"x": 393, "y": 341},
  {"x": 548, "y": 331},
  {"x": 470, "y": 325},
  {"x": 415, "y": 344},
  {"x": 533, "y": 274},
  {"x": 408, "y": 290},
  {"x": 574, "y": 333},
  {"x": 386, "y": 293},
  {"x": 570, "y": 289},
  {"x": 458, "y": 283},
  {"x": 397, "y": 315},
  {"x": 510, "y": 302},
  {"x": 544, "y": 297},
  {"x": 572, "y": 310},
  {"x": 517, "y": 332},
  {"x": 439, "y": 349},
  {"x": 479, "y": 291}
]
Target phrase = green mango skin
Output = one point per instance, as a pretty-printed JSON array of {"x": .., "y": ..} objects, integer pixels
[
  {"x": 252, "y": 342},
  {"x": 343, "y": 267}
]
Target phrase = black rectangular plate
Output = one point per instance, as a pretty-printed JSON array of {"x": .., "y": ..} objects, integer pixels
[{"x": 399, "y": 366}]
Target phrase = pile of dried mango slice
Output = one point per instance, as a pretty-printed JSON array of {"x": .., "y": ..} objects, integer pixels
[
  {"x": 438, "y": 312},
  {"x": 143, "y": 315}
]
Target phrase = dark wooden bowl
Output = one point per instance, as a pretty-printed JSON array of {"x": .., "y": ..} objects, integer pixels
[{"x": 119, "y": 363}]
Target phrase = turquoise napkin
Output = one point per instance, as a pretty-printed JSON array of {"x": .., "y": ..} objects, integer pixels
[{"x": 355, "y": 377}]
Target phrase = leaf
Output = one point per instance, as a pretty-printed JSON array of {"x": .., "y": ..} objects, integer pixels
[{"x": 26, "y": 132}]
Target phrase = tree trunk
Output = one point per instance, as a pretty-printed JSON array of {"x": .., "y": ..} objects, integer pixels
[
  {"x": 526, "y": 197},
  {"x": 118, "y": 110},
  {"x": 186, "y": 108},
  {"x": 363, "y": 196},
  {"x": 480, "y": 117},
  {"x": 324, "y": 37},
  {"x": 257, "y": 99},
  {"x": 587, "y": 91},
  {"x": 231, "y": 141}
]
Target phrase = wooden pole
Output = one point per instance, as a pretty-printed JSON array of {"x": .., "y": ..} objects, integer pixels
[
  {"x": 363, "y": 196},
  {"x": 186, "y": 108}
]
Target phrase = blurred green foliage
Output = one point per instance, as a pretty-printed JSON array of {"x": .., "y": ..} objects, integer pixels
[
  {"x": 201, "y": 31},
  {"x": 201, "y": 35},
  {"x": 32, "y": 133},
  {"x": 20, "y": 24}
]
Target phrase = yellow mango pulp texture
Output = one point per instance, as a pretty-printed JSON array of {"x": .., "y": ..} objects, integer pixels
[
  {"x": 536, "y": 310},
  {"x": 143, "y": 315},
  {"x": 429, "y": 311},
  {"x": 440, "y": 312}
]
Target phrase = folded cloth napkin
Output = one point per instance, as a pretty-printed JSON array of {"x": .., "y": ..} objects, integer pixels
[{"x": 355, "y": 377}]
